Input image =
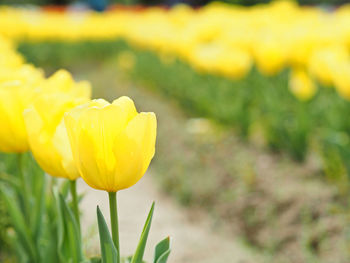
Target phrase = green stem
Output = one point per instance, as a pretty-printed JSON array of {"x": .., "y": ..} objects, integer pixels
[
  {"x": 26, "y": 199},
  {"x": 114, "y": 221},
  {"x": 26, "y": 196},
  {"x": 73, "y": 191}
]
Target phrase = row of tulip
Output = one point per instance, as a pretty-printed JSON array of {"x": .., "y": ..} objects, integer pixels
[
  {"x": 109, "y": 145},
  {"x": 258, "y": 107},
  {"x": 217, "y": 39}
]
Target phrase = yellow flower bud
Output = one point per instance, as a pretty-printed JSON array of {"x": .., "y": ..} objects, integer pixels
[
  {"x": 112, "y": 144},
  {"x": 301, "y": 85},
  {"x": 47, "y": 134}
]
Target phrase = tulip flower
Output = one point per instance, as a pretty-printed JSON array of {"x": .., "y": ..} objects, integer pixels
[
  {"x": 48, "y": 137},
  {"x": 9, "y": 58},
  {"x": 18, "y": 87},
  {"x": 62, "y": 81},
  {"x": 342, "y": 80},
  {"x": 301, "y": 85},
  {"x": 46, "y": 129},
  {"x": 112, "y": 146},
  {"x": 325, "y": 63},
  {"x": 15, "y": 96},
  {"x": 270, "y": 56},
  {"x": 47, "y": 134}
]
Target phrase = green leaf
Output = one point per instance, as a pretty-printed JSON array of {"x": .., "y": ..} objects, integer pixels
[
  {"x": 93, "y": 260},
  {"x": 10, "y": 180},
  {"x": 64, "y": 189},
  {"x": 137, "y": 257},
  {"x": 109, "y": 252},
  {"x": 19, "y": 223},
  {"x": 69, "y": 240},
  {"x": 39, "y": 200},
  {"x": 162, "y": 251}
]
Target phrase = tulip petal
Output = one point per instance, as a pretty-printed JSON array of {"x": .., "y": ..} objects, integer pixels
[
  {"x": 61, "y": 144},
  {"x": 134, "y": 150},
  {"x": 13, "y": 134}
]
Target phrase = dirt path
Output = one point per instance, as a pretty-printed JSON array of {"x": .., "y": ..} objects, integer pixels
[{"x": 192, "y": 241}]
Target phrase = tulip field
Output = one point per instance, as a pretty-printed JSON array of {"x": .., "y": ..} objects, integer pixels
[{"x": 241, "y": 113}]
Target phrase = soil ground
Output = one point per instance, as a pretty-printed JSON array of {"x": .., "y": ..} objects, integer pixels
[{"x": 192, "y": 240}]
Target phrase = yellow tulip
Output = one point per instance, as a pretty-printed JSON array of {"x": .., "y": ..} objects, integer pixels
[
  {"x": 270, "y": 56},
  {"x": 9, "y": 58},
  {"x": 26, "y": 73},
  {"x": 62, "y": 81},
  {"x": 47, "y": 134},
  {"x": 15, "y": 96},
  {"x": 342, "y": 80},
  {"x": 112, "y": 144},
  {"x": 324, "y": 63},
  {"x": 301, "y": 85}
]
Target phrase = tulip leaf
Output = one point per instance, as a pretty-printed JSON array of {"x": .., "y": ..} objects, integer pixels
[
  {"x": 94, "y": 260},
  {"x": 109, "y": 252},
  {"x": 69, "y": 240},
  {"x": 10, "y": 180},
  {"x": 39, "y": 195},
  {"x": 19, "y": 223},
  {"x": 138, "y": 256},
  {"x": 162, "y": 251}
]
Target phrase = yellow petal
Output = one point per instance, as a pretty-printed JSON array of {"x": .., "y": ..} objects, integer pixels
[{"x": 134, "y": 150}]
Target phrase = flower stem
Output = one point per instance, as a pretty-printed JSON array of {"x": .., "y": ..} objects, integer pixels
[
  {"x": 114, "y": 221},
  {"x": 26, "y": 198},
  {"x": 24, "y": 182},
  {"x": 73, "y": 191}
]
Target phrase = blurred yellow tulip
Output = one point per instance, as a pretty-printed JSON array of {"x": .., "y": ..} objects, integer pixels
[
  {"x": 62, "y": 81},
  {"x": 15, "y": 96},
  {"x": 342, "y": 79},
  {"x": 301, "y": 84},
  {"x": 26, "y": 73},
  {"x": 324, "y": 63},
  {"x": 47, "y": 134},
  {"x": 112, "y": 144},
  {"x": 270, "y": 56}
]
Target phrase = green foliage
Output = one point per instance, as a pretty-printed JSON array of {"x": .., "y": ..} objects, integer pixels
[
  {"x": 24, "y": 196},
  {"x": 109, "y": 252},
  {"x": 55, "y": 55},
  {"x": 140, "y": 250},
  {"x": 162, "y": 251},
  {"x": 43, "y": 224},
  {"x": 69, "y": 240}
]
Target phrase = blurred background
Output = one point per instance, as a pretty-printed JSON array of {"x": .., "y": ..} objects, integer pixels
[
  {"x": 167, "y": 2},
  {"x": 252, "y": 100}
]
